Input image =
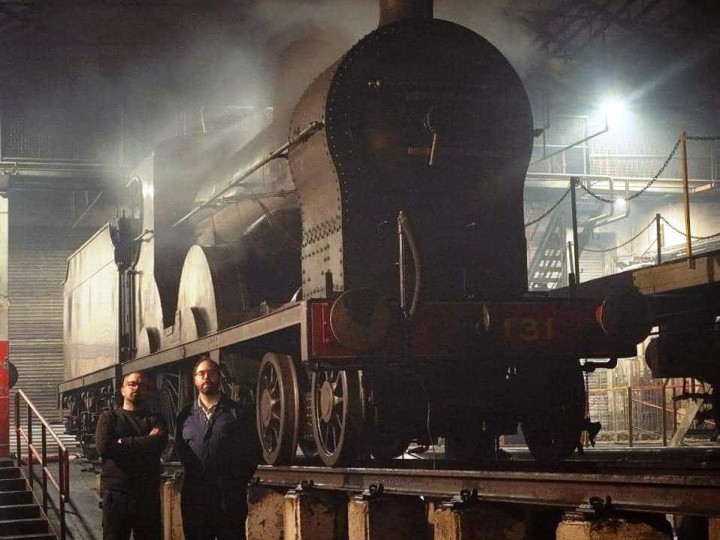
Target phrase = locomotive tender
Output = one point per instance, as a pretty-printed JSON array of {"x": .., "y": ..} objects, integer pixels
[{"x": 358, "y": 268}]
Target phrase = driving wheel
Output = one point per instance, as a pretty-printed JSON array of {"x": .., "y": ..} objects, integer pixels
[
  {"x": 336, "y": 415},
  {"x": 553, "y": 426},
  {"x": 277, "y": 408}
]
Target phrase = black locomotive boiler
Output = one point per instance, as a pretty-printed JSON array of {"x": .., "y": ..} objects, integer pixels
[{"x": 358, "y": 268}]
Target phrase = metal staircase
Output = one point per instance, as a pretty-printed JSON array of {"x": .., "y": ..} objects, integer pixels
[
  {"x": 20, "y": 514},
  {"x": 547, "y": 267}
]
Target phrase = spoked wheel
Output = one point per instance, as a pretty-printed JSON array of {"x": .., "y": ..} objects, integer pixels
[
  {"x": 277, "y": 408},
  {"x": 553, "y": 427},
  {"x": 336, "y": 415},
  {"x": 170, "y": 407}
]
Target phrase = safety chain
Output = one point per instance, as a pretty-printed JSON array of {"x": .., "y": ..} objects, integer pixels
[
  {"x": 621, "y": 245},
  {"x": 550, "y": 211},
  {"x": 611, "y": 201},
  {"x": 674, "y": 228},
  {"x": 644, "y": 189}
]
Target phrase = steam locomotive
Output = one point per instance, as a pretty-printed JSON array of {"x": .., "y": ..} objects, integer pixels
[{"x": 358, "y": 269}]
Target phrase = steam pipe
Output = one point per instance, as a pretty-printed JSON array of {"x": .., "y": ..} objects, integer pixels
[
  {"x": 396, "y": 10},
  {"x": 309, "y": 131}
]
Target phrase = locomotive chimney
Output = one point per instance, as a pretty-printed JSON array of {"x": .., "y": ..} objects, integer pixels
[{"x": 395, "y": 10}]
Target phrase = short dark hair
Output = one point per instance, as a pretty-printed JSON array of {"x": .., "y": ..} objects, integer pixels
[
  {"x": 148, "y": 378},
  {"x": 125, "y": 377},
  {"x": 204, "y": 358}
]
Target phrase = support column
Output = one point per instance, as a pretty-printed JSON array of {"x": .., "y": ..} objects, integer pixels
[
  {"x": 627, "y": 527},
  {"x": 380, "y": 517},
  {"x": 171, "y": 514},
  {"x": 315, "y": 515},
  {"x": 714, "y": 529},
  {"x": 266, "y": 509},
  {"x": 465, "y": 521},
  {"x": 4, "y": 314}
]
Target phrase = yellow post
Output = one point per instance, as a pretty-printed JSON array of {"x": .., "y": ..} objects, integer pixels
[
  {"x": 630, "y": 416},
  {"x": 686, "y": 197}
]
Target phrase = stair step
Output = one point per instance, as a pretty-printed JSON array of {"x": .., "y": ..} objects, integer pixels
[
  {"x": 15, "y": 497},
  {"x": 19, "y": 511},
  {"x": 37, "y": 536},
  {"x": 70, "y": 441},
  {"x": 6, "y": 462},
  {"x": 13, "y": 484},
  {"x": 24, "y": 526},
  {"x": 10, "y": 472}
]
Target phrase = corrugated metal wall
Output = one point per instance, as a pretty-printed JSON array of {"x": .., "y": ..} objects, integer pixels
[{"x": 41, "y": 239}]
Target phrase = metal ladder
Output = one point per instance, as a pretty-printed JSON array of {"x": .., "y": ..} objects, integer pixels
[{"x": 547, "y": 268}]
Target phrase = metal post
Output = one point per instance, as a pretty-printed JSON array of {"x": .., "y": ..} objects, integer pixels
[
  {"x": 658, "y": 236},
  {"x": 29, "y": 441},
  {"x": 18, "y": 446},
  {"x": 62, "y": 481},
  {"x": 576, "y": 249},
  {"x": 44, "y": 469},
  {"x": 674, "y": 409},
  {"x": 630, "y": 417},
  {"x": 686, "y": 198},
  {"x": 663, "y": 395}
]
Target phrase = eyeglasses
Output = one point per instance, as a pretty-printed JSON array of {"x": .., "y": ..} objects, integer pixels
[
  {"x": 212, "y": 373},
  {"x": 135, "y": 384}
]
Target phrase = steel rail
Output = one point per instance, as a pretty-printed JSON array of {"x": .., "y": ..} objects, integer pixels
[{"x": 692, "y": 493}]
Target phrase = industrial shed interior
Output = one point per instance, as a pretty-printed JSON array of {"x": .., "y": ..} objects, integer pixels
[{"x": 476, "y": 242}]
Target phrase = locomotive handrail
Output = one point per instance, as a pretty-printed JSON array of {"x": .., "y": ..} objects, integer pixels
[
  {"x": 405, "y": 230},
  {"x": 62, "y": 484},
  {"x": 312, "y": 128}
]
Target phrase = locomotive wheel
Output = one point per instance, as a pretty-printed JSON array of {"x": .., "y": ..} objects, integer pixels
[
  {"x": 384, "y": 447},
  {"x": 552, "y": 429},
  {"x": 337, "y": 415},
  {"x": 175, "y": 393},
  {"x": 277, "y": 408},
  {"x": 170, "y": 407}
]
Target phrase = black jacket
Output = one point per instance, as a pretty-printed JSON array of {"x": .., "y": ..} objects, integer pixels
[
  {"x": 220, "y": 454},
  {"x": 131, "y": 466}
]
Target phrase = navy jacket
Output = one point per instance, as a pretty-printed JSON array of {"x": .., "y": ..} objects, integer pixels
[{"x": 220, "y": 454}]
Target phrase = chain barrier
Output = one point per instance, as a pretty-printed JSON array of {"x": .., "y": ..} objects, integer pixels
[
  {"x": 624, "y": 243},
  {"x": 644, "y": 189},
  {"x": 634, "y": 196},
  {"x": 550, "y": 211},
  {"x": 674, "y": 228}
]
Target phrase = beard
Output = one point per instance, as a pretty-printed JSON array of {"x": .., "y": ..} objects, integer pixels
[
  {"x": 136, "y": 398},
  {"x": 209, "y": 388}
]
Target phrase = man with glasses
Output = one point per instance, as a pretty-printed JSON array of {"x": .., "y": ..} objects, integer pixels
[
  {"x": 218, "y": 448},
  {"x": 129, "y": 440}
]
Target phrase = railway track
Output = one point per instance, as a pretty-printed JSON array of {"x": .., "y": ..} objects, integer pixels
[{"x": 663, "y": 486}]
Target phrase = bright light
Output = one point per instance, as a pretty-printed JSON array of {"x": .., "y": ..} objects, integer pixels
[
  {"x": 620, "y": 205},
  {"x": 616, "y": 110}
]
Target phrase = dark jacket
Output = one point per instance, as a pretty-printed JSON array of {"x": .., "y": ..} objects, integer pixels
[
  {"x": 131, "y": 466},
  {"x": 219, "y": 454}
]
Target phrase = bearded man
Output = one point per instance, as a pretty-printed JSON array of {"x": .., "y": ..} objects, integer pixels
[
  {"x": 129, "y": 440},
  {"x": 217, "y": 445}
]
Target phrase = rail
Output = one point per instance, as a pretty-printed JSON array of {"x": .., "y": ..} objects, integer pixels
[
  {"x": 647, "y": 487},
  {"x": 62, "y": 483}
]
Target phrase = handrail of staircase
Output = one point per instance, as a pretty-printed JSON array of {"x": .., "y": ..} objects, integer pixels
[{"x": 62, "y": 484}]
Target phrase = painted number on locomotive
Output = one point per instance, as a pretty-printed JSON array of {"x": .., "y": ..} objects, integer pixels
[{"x": 528, "y": 329}]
